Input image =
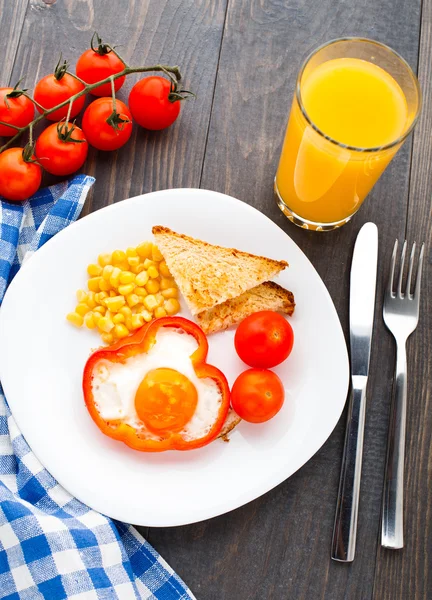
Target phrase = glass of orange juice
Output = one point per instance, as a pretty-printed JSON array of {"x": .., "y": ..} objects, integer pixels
[{"x": 356, "y": 101}]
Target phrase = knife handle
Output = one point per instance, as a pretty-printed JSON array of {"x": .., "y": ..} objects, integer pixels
[{"x": 345, "y": 526}]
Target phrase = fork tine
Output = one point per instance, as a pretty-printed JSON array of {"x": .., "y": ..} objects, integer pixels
[
  {"x": 399, "y": 288},
  {"x": 419, "y": 274},
  {"x": 410, "y": 270},
  {"x": 392, "y": 268}
]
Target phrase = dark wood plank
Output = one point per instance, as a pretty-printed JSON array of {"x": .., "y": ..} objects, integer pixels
[
  {"x": 11, "y": 22},
  {"x": 279, "y": 546},
  {"x": 183, "y": 32},
  {"x": 411, "y": 567}
]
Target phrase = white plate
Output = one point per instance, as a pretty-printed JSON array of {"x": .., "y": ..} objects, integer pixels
[{"x": 42, "y": 357}]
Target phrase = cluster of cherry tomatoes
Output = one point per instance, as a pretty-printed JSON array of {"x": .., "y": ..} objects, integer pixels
[
  {"x": 61, "y": 149},
  {"x": 263, "y": 341}
]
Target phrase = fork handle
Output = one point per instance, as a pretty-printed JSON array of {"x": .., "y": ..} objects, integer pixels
[
  {"x": 392, "y": 511},
  {"x": 345, "y": 525}
]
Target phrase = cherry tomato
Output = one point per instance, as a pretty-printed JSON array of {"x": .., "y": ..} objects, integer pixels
[
  {"x": 149, "y": 104},
  {"x": 257, "y": 395},
  {"x": 61, "y": 148},
  {"x": 50, "y": 91},
  {"x": 264, "y": 339},
  {"x": 99, "y": 132},
  {"x": 16, "y": 111},
  {"x": 18, "y": 179},
  {"x": 93, "y": 66}
]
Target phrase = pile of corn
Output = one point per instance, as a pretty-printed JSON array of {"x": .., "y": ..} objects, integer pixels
[{"x": 125, "y": 290}]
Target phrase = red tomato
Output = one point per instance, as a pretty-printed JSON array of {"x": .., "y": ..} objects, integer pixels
[
  {"x": 257, "y": 395},
  {"x": 99, "y": 132},
  {"x": 93, "y": 67},
  {"x": 50, "y": 91},
  {"x": 18, "y": 179},
  {"x": 149, "y": 103},
  {"x": 16, "y": 111},
  {"x": 264, "y": 339},
  {"x": 57, "y": 151}
]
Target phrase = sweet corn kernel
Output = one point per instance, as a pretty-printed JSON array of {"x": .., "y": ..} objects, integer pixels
[
  {"x": 137, "y": 321},
  {"x": 160, "y": 312},
  {"x": 100, "y": 297},
  {"x": 100, "y": 309},
  {"x": 166, "y": 283},
  {"x": 150, "y": 302},
  {"x": 126, "y": 277},
  {"x": 75, "y": 319},
  {"x": 153, "y": 272},
  {"x": 115, "y": 277},
  {"x": 91, "y": 302},
  {"x": 81, "y": 296},
  {"x": 140, "y": 291},
  {"x": 121, "y": 331},
  {"x": 118, "y": 256},
  {"x": 163, "y": 269},
  {"x": 131, "y": 252},
  {"x": 148, "y": 263},
  {"x": 108, "y": 338},
  {"x": 89, "y": 321},
  {"x": 112, "y": 293},
  {"x": 132, "y": 299},
  {"x": 133, "y": 261},
  {"x": 126, "y": 311},
  {"x": 94, "y": 270},
  {"x": 142, "y": 278},
  {"x": 104, "y": 259},
  {"x": 145, "y": 249},
  {"x": 93, "y": 284},
  {"x": 96, "y": 317},
  {"x": 82, "y": 309},
  {"x": 152, "y": 287},
  {"x": 129, "y": 323},
  {"x": 115, "y": 303},
  {"x": 159, "y": 298},
  {"x": 172, "y": 306},
  {"x": 170, "y": 293},
  {"x": 107, "y": 272},
  {"x": 118, "y": 318},
  {"x": 124, "y": 290},
  {"x": 105, "y": 324},
  {"x": 147, "y": 316},
  {"x": 104, "y": 285},
  {"x": 156, "y": 254},
  {"x": 137, "y": 269}
]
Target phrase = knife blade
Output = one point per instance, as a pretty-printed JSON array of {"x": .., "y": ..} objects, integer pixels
[{"x": 361, "y": 316}]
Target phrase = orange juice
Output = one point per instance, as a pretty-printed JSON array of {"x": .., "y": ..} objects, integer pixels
[{"x": 360, "y": 107}]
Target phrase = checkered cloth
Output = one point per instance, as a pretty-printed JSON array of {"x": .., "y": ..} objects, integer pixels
[{"x": 51, "y": 545}]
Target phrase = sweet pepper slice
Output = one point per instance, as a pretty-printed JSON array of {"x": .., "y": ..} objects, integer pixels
[{"x": 141, "y": 342}]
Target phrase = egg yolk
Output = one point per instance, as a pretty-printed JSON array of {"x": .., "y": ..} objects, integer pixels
[{"x": 165, "y": 400}]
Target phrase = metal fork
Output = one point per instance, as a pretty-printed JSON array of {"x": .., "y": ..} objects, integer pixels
[{"x": 400, "y": 312}]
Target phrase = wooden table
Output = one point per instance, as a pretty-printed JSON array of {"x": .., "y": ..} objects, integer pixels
[{"x": 241, "y": 58}]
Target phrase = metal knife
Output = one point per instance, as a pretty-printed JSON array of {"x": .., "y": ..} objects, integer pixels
[{"x": 361, "y": 316}]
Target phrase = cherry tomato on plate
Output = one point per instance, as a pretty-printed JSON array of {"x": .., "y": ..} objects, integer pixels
[
  {"x": 16, "y": 110},
  {"x": 61, "y": 148},
  {"x": 19, "y": 178},
  {"x": 257, "y": 395},
  {"x": 264, "y": 339},
  {"x": 54, "y": 89},
  {"x": 105, "y": 129},
  {"x": 97, "y": 63},
  {"x": 150, "y": 105}
]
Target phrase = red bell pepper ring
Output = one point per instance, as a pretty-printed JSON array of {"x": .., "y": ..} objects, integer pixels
[{"x": 140, "y": 343}]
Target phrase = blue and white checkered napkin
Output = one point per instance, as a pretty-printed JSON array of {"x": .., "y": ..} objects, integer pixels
[{"x": 51, "y": 545}]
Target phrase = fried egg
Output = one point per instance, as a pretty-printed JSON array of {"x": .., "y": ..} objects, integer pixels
[{"x": 158, "y": 392}]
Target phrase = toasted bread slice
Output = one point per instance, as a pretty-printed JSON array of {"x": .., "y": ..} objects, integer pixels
[
  {"x": 208, "y": 275},
  {"x": 267, "y": 296}
]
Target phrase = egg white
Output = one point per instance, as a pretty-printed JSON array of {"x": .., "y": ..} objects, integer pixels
[{"x": 115, "y": 384}]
